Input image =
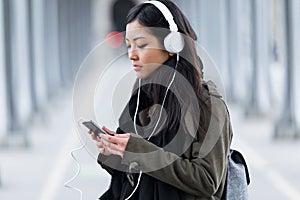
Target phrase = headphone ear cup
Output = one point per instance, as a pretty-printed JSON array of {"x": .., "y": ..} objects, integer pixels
[{"x": 174, "y": 42}]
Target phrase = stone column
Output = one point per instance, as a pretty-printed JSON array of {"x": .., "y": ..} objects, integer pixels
[
  {"x": 3, "y": 86},
  {"x": 18, "y": 72},
  {"x": 289, "y": 118},
  {"x": 259, "y": 84}
]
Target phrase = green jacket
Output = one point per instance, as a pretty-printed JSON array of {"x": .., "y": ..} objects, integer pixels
[{"x": 199, "y": 171}]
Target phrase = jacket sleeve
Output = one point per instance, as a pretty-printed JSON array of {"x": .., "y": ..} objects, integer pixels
[
  {"x": 107, "y": 162},
  {"x": 200, "y": 170}
]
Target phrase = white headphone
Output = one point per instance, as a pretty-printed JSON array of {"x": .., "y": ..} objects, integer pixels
[{"x": 174, "y": 41}]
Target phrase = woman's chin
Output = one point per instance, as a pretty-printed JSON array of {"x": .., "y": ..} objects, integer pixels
[{"x": 141, "y": 75}]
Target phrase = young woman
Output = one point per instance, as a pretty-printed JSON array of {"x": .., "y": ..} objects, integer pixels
[{"x": 174, "y": 134}]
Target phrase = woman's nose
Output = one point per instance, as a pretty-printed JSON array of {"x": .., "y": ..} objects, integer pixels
[{"x": 132, "y": 55}]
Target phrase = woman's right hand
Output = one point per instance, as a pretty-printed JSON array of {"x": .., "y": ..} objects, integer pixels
[{"x": 99, "y": 143}]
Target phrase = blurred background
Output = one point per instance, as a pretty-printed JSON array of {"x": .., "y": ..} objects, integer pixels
[{"x": 255, "y": 45}]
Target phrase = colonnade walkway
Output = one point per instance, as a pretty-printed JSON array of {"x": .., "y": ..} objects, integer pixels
[{"x": 39, "y": 173}]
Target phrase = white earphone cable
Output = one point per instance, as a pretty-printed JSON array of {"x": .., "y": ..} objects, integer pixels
[
  {"x": 160, "y": 113},
  {"x": 137, "y": 107},
  {"x": 66, "y": 184},
  {"x": 163, "y": 103},
  {"x": 136, "y": 187}
]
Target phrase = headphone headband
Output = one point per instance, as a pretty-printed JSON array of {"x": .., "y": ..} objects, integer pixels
[
  {"x": 173, "y": 42},
  {"x": 166, "y": 12}
]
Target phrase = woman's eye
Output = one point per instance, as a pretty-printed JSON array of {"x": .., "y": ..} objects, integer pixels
[
  {"x": 142, "y": 46},
  {"x": 128, "y": 46}
]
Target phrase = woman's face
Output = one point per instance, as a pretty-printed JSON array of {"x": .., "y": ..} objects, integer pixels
[{"x": 144, "y": 50}]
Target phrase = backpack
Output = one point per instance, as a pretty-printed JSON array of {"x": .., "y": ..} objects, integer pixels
[{"x": 237, "y": 179}]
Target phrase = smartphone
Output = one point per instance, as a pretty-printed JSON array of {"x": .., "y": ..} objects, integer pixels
[{"x": 94, "y": 127}]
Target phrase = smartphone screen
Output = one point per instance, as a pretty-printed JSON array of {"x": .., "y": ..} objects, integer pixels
[{"x": 94, "y": 127}]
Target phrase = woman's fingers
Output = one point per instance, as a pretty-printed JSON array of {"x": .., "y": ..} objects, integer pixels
[
  {"x": 115, "y": 144},
  {"x": 99, "y": 144},
  {"x": 111, "y": 143},
  {"x": 102, "y": 149},
  {"x": 112, "y": 146},
  {"x": 108, "y": 131},
  {"x": 125, "y": 135},
  {"x": 94, "y": 136},
  {"x": 116, "y": 138}
]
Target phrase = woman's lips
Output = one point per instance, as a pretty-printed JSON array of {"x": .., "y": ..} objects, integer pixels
[{"x": 137, "y": 67}]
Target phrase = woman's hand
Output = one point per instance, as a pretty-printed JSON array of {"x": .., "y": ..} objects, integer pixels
[
  {"x": 99, "y": 143},
  {"x": 111, "y": 143},
  {"x": 114, "y": 143}
]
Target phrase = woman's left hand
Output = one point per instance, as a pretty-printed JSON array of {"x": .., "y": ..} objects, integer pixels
[{"x": 114, "y": 143}]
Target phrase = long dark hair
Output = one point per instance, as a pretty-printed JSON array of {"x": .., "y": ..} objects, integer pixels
[{"x": 189, "y": 64}]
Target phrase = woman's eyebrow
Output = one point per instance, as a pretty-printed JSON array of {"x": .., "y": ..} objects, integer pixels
[{"x": 137, "y": 38}]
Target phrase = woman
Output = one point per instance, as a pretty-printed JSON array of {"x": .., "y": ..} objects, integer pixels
[{"x": 174, "y": 134}]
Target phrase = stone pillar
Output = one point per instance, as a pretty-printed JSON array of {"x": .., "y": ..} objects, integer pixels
[
  {"x": 259, "y": 84},
  {"x": 38, "y": 55},
  {"x": 289, "y": 118},
  {"x": 238, "y": 45},
  {"x": 52, "y": 51},
  {"x": 18, "y": 70},
  {"x": 3, "y": 86}
]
